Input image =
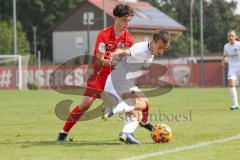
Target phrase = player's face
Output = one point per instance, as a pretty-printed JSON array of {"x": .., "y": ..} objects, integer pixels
[
  {"x": 231, "y": 37},
  {"x": 123, "y": 22},
  {"x": 159, "y": 47}
]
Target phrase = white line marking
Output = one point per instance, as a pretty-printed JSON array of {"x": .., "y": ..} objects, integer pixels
[{"x": 198, "y": 145}]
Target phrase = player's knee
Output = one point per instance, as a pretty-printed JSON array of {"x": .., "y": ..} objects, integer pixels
[
  {"x": 84, "y": 107},
  {"x": 231, "y": 85},
  {"x": 140, "y": 105},
  {"x": 85, "y": 104},
  {"x": 136, "y": 114}
]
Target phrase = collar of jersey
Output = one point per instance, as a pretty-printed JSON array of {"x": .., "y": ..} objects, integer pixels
[{"x": 149, "y": 48}]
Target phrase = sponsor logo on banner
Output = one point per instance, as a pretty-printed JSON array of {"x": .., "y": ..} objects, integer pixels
[{"x": 181, "y": 75}]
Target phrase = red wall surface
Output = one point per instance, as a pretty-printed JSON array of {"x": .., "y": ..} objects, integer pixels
[{"x": 179, "y": 75}]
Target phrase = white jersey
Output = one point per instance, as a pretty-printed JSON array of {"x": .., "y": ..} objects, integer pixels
[
  {"x": 233, "y": 53},
  {"x": 123, "y": 77}
]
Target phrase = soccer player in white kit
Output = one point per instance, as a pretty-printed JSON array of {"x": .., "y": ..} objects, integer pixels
[
  {"x": 121, "y": 82},
  {"x": 232, "y": 57}
]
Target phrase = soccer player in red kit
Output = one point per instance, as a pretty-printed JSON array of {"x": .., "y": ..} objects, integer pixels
[{"x": 108, "y": 41}]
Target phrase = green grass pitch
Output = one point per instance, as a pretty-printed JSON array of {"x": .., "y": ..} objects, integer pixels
[{"x": 29, "y": 127}]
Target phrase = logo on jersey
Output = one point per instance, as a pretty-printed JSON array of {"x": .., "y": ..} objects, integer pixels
[
  {"x": 235, "y": 50},
  {"x": 125, "y": 44},
  {"x": 111, "y": 46},
  {"x": 102, "y": 48}
]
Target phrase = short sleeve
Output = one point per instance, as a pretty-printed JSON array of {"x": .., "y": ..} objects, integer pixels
[
  {"x": 133, "y": 50},
  {"x": 225, "y": 50},
  {"x": 100, "y": 47}
]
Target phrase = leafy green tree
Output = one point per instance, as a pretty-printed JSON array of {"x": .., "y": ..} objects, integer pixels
[
  {"x": 6, "y": 39},
  {"x": 42, "y": 14},
  {"x": 218, "y": 19}
]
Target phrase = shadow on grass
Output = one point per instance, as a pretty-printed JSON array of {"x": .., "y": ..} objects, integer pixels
[{"x": 29, "y": 144}]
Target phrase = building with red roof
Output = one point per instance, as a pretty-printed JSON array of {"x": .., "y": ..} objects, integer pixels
[{"x": 74, "y": 35}]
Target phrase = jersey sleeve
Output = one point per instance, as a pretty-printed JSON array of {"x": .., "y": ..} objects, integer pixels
[
  {"x": 225, "y": 50},
  {"x": 133, "y": 49},
  {"x": 100, "y": 47}
]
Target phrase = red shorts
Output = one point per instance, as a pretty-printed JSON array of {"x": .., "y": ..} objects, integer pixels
[{"x": 95, "y": 86}]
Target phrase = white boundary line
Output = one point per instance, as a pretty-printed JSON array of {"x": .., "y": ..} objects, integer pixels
[{"x": 185, "y": 148}]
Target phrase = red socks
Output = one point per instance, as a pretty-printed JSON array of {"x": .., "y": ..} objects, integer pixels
[
  {"x": 145, "y": 113},
  {"x": 72, "y": 119},
  {"x": 76, "y": 114}
]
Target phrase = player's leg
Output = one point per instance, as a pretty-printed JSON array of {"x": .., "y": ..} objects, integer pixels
[
  {"x": 142, "y": 108},
  {"x": 127, "y": 102},
  {"x": 95, "y": 86},
  {"x": 146, "y": 109},
  {"x": 232, "y": 81},
  {"x": 133, "y": 119},
  {"x": 130, "y": 125},
  {"x": 74, "y": 116},
  {"x": 77, "y": 112},
  {"x": 124, "y": 106},
  {"x": 145, "y": 114},
  {"x": 118, "y": 105}
]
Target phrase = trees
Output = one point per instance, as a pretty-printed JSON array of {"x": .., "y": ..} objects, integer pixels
[
  {"x": 39, "y": 13},
  {"x": 218, "y": 19},
  {"x": 6, "y": 39}
]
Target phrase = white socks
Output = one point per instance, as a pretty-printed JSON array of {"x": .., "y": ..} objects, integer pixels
[
  {"x": 233, "y": 92},
  {"x": 130, "y": 124},
  {"x": 62, "y": 131},
  {"x": 124, "y": 107}
]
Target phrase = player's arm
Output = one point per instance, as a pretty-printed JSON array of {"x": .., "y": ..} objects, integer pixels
[
  {"x": 100, "y": 49},
  {"x": 119, "y": 53},
  {"x": 101, "y": 60},
  {"x": 224, "y": 60}
]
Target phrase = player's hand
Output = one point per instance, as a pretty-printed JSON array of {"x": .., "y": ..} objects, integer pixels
[
  {"x": 115, "y": 59},
  {"x": 223, "y": 64},
  {"x": 116, "y": 55}
]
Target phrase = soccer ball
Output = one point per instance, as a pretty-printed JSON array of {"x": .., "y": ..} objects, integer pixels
[{"x": 161, "y": 133}]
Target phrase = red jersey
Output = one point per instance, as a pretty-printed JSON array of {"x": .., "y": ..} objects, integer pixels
[{"x": 106, "y": 43}]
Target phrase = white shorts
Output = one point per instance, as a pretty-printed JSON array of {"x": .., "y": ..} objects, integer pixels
[
  {"x": 114, "y": 93},
  {"x": 234, "y": 74}
]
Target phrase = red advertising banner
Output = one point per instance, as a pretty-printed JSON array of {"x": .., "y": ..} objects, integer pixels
[{"x": 177, "y": 74}]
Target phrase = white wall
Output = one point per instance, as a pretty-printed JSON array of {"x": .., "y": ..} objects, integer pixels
[{"x": 67, "y": 45}]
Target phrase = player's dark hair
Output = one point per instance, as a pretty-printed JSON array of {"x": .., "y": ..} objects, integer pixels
[
  {"x": 121, "y": 10},
  {"x": 161, "y": 35}
]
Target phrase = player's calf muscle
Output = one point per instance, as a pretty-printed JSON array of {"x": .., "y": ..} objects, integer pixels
[{"x": 86, "y": 103}]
